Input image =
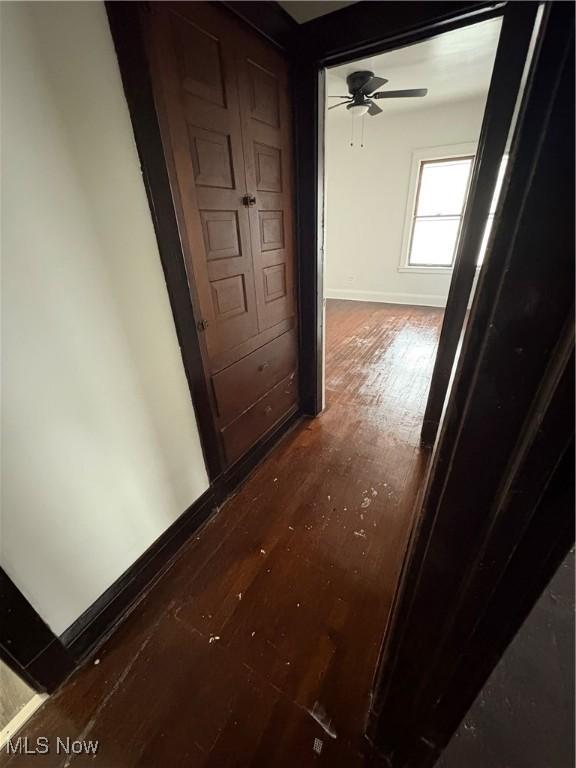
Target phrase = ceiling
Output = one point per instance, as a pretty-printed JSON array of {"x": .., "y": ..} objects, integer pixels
[
  {"x": 306, "y": 10},
  {"x": 453, "y": 66}
]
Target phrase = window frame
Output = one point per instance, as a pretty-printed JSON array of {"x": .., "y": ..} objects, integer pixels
[{"x": 419, "y": 157}]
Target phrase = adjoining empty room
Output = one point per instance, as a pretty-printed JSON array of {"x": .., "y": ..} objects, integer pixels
[{"x": 401, "y": 135}]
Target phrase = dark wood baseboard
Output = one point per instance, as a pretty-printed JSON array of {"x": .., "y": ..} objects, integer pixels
[
  {"x": 233, "y": 477},
  {"x": 27, "y": 644},
  {"x": 101, "y": 619}
]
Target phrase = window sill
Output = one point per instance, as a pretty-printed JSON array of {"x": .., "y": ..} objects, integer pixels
[{"x": 422, "y": 270}]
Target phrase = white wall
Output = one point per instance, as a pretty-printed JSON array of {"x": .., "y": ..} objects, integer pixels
[
  {"x": 367, "y": 197},
  {"x": 100, "y": 446}
]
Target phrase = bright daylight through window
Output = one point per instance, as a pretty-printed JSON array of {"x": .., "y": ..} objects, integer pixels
[{"x": 440, "y": 199}]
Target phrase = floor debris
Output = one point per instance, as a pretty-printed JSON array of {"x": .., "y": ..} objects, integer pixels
[
  {"x": 365, "y": 503},
  {"x": 360, "y": 533},
  {"x": 319, "y": 714},
  {"x": 213, "y": 638},
  {"x": 317, "y": 747}
]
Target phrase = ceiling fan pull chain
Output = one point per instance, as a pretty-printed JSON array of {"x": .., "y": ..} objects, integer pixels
[
  {"x": 362, "y": 139},
  {"x": 352, "y": 134}
]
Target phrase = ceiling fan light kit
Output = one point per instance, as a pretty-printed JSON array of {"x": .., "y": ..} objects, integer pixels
[{"x": 358, "y": 109}]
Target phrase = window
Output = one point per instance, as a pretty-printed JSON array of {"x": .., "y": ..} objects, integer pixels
[{"x": 440, "y": 198}]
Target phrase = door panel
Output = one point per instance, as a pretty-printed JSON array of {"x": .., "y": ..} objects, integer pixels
[
  {"x": 222, "y": 98},
  {"x": 265, "y": 109},
  {"x": 196, "y": 73}
]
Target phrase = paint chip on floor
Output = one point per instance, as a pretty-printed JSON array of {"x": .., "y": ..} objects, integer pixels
[{"x": 319, "y": 714}]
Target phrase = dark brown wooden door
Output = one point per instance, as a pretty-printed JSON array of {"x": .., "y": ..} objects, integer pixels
[
  {"x": 197, "y": 75},
  {"x": 222, "y": 97},
  {"x": 225, "y": 105},
  {"x": 264, "y": 102}
]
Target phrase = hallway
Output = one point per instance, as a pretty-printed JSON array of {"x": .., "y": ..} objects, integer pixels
[{"x": 276, "y": 608}]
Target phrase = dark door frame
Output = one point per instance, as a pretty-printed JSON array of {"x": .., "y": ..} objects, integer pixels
[
  {"x": 27, "y": 644},
  {"x": 518, "y": 25},
  {"x": 341, "y": 33},
  {"x": 524, "y": 519},
  {"x": 498, "y": 512}
]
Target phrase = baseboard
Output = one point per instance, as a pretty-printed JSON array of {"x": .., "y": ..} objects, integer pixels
[
  {"x": 21, "y": 717},
  {"x": 239, "y": 472},
  {"x": 385, "y": 297},
  {"x": 100, "y": 619}
]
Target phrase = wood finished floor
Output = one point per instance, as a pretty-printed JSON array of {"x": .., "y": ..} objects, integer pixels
[{"x": 279, "y": 604}]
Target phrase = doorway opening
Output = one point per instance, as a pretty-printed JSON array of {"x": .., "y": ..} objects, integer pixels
[
  {"x": 396, "y": 187},
  {"x": 397, "y": 177}
]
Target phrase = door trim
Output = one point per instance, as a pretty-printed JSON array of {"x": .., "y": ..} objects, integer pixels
[
  {"x": 362, "y": 29},
  {"x": 518, "y": 24},
  {"x": 127, "y": 34},
  {"x": 27, "y": 644},
  {"x": 497, "y": 517}
]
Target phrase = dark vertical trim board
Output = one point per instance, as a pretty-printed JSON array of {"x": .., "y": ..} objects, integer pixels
[
  {"x": 513, "y": 46},
  {"x": 497, "y": 517},
  {"x": 126, "y": 31},
  {"x": 27, "y": 644}
]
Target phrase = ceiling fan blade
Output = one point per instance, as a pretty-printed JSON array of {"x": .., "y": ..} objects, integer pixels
[
  {"x": 342, "y": 104},
  {"x": 340, "y": 97},
  {"x": 400, "y": 94},
  {"x": 373, "y": 84},
  {"x": 374, "y": 109}
]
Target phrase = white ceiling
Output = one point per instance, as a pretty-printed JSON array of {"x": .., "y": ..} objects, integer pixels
[
  {"x": 305, "y": 10},
  {"x": 453, "y": 66}
]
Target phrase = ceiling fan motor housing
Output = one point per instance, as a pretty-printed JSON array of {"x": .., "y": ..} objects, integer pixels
[{"x": 356, "y": 80}]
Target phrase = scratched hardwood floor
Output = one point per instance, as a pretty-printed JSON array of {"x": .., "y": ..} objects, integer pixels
[{"x": 277, "y": 607}]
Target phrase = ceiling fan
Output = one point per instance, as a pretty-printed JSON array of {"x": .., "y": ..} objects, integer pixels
[{"x": 363, "y": 88}]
